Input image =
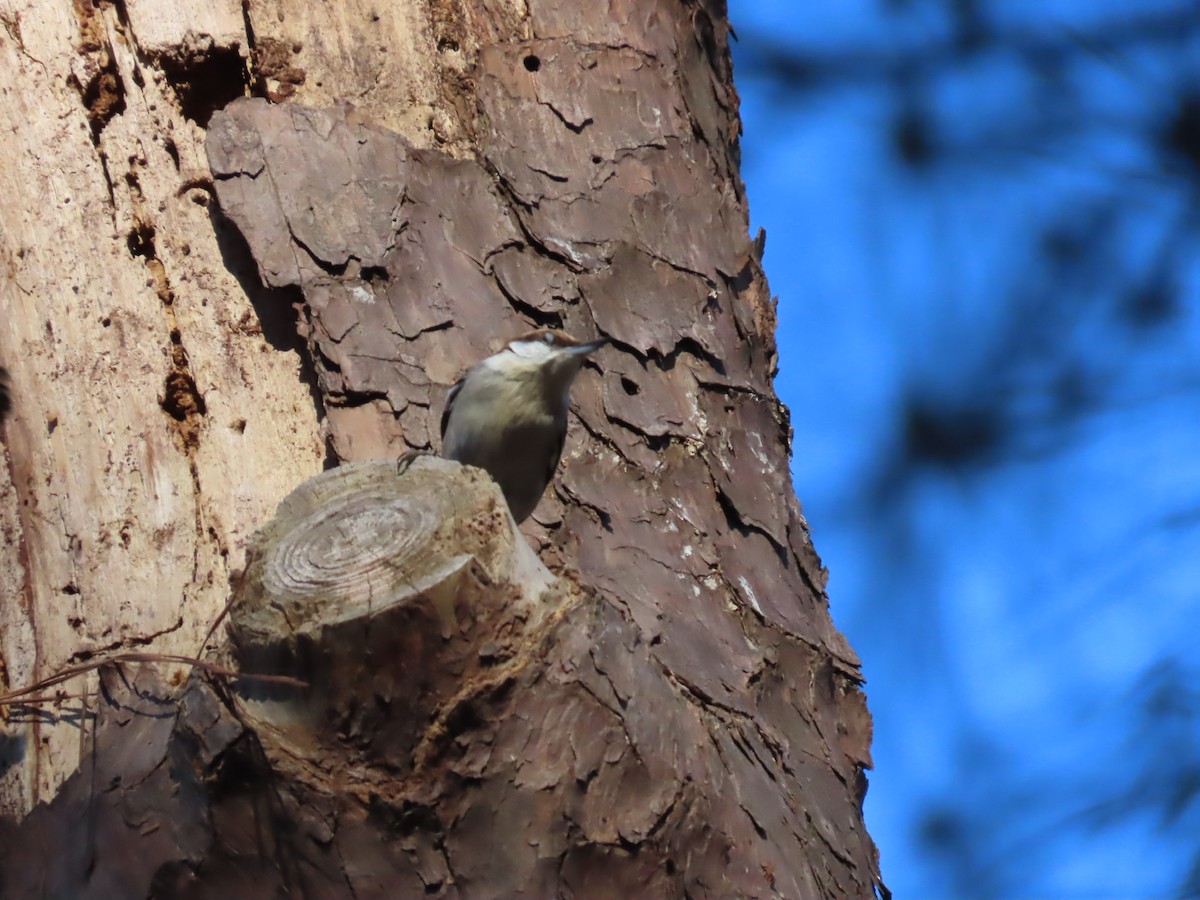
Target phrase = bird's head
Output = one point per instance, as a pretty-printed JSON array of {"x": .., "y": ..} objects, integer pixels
[
  {"x": 551, "y": 345},
  {"x": 551, "y": 355}
]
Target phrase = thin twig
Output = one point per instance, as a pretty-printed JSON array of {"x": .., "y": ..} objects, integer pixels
[
  {"x": 22, "y": 695},
  {"x": 236, "y": 593},
  {"x": 52, "y": 698}
]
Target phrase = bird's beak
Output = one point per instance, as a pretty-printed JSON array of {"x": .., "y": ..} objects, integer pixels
[{"x": 590, "y": 347}]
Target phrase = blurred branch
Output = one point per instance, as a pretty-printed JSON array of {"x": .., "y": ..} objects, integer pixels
[{"x": 769, "y": 57}]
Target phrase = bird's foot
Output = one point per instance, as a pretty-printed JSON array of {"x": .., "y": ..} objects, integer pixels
[{"x": 406, "y": 459}]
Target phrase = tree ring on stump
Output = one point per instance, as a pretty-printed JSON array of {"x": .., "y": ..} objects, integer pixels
[
  {"x": 344, "y": 548},
  {"x": 384, "y": 592},
  {"x": 359, "y": 539}
]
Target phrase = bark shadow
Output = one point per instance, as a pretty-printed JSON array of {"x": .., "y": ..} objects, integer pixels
[
  {"x": 278, "y": 308},
  {"x": 12, "y": 751}
]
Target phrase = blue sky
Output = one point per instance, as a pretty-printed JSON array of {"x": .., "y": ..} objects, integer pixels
[{"x": 991, "y": 351}]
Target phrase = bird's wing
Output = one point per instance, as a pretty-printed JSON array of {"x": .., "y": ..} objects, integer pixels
[
  {"x": 455, "y": 388},
  {"x": 555, "y": 457}
]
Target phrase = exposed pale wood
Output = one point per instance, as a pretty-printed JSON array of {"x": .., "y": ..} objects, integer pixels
[
  {"x": 120, "y": 523},
  {"x": 381, "y": 57},
  {"x": 172, "y": 27}
]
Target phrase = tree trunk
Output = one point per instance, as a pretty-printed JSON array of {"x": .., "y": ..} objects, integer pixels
[{"x": 209, "y": 297}]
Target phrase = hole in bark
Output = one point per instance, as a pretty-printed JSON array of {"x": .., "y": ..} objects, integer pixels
[
  {"x": 172, "y": 151},
  {"x": 657, "y": 442},
  {"x": 106, "y": 321},
  {"x": 630, "y": 386},
  {"x": 274, "y": 75},
  {"x": 532, "y": 63},
  {"x": 374, "y": 273},
  {"x": 205, "y": 83},
  {"x": 141, "y": 241},
  {"x": 104, "y": 97},
  {"x": 52, "y": 425},
  {"x": 181, "y": 400}
]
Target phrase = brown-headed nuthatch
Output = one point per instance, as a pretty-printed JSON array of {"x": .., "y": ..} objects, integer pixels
[{"x": 508, "y": 414}]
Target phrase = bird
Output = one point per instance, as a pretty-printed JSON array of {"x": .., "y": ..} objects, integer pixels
[{"x": 508, "y": 413}]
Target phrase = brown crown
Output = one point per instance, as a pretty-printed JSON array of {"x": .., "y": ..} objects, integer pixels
[{"x": 557, "y": 338}]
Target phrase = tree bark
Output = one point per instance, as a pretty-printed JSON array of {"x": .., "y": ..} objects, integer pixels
[{"x": 209, "y": 298}]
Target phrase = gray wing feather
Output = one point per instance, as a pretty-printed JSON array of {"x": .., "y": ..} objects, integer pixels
[
  {"x": 455, "y": 388},
  {"x": 555, "y": 457}
]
